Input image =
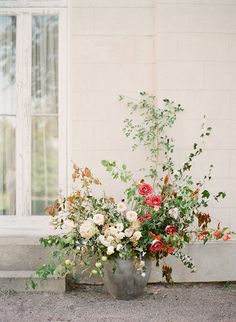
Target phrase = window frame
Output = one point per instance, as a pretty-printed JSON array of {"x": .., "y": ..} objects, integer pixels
[{"x": 23, "y": 115}]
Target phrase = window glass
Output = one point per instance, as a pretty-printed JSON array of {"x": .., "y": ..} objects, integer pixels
[
  {"x": 7, "y": 115},
  {"x": 44, "y": 91},
  {"x": 44, "y": 162},
  {"x": 44, "y": 86}
]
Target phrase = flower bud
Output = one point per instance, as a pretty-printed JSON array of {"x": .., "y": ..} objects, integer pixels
[
  {"x": 98, "y": 265},
  {"x": 104, "y": 258},
  {"x": 68, "y": 262}
]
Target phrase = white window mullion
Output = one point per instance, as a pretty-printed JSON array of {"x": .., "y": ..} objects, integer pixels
[
  {"x": 23, "y": 141},
  {"x": 62, "y": 102}
]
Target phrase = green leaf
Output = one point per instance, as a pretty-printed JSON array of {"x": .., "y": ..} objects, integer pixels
[
  {"x": 105, "y": 163},
  {"x": 205, "y": 194}
]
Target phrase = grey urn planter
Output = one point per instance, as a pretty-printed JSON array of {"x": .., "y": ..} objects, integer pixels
[{"x": 126, "y": 283}]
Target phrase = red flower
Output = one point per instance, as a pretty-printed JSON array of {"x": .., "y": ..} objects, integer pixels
[
  {"x": 154, "y": 201},
  {"x": 145, "y": 189},
  {"x": 148, "y": 200},
  {"x": 170, "y": 229},
  {"x": 141, "y": 219},
  {"x": 148, "y": 216},
  {"x": 217, "y": 233},
  {"x": 170, "y": 250},
  {"x": 156, "y": 246}
]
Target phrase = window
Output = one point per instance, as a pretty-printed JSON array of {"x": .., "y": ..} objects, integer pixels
[
  {"x": 32, "y": 109},
  {"x": 7, "y": 114}
]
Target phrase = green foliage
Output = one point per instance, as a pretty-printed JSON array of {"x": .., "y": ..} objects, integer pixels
[{"x": 121, "y": 173}]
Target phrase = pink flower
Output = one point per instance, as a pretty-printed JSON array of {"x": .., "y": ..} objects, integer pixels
[
  {"x": 145, "y": 189},
  {"x": 226, "y": 237},
  {"x": 170, "y": 229},
  {"x": 154, "y": 201}
]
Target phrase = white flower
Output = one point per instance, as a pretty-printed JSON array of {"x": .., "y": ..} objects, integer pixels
[
  {"x": 87, "y": 229},
  {"x": 121, "y": 207},
  {"x": 137, "y": 235},
  {"x": 129, "y": 232},
  {"x": 119, "y": 247},
  {"x": 103, "y": 241},
  {"x": 112, "y": 230},
  {"x": 69, "y": 223},
  {"x": 120, "y": 235},
  {"x": 110, "y": 250},
  {"x": 110, "y": 238},
  {"x": 131, "y": 216},
  {"x": 143, "y": 274},
  {"x": 119, "y": 226},
  {"x": 98, "y": 219},
  {"x": 174, "y": 212}
]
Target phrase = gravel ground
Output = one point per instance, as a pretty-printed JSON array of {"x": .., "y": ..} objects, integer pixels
[{"x": 190, "y": 303}]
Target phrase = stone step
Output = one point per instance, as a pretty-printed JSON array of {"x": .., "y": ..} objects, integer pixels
[
  {"x": 16, "y": 281},
  {"x": 22, "y": 253}
]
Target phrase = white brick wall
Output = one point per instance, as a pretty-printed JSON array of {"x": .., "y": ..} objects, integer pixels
[
  {"x": 195, "y": 64},
  {"x": 180, "y": 49},
  {"x": 112, "y": 53}
]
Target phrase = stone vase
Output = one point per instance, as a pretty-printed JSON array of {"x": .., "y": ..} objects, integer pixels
[{"x": 125, "y": 283}]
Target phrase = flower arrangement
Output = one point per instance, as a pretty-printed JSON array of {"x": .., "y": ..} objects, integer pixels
[{"x": 158, "y": 214}]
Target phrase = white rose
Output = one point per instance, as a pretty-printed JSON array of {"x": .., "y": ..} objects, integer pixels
[
  {"x": 131, "y": 216},
  {"x": 121, "y": 207},
  {"x": 103, "y": 241},
  {"x": 87, "y": 229},
  {"x": 110, "y": 250},
  {"x": 98, "y": 219},
  {"x": 137, "y": 235},
  {"x": 119, "y": 247},
  {"x": 129, "y": 232},
  {"x": 120, "y": 235}
]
